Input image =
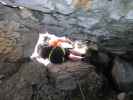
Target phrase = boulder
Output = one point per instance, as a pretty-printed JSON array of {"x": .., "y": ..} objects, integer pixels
[
  {"x": 72, "y": 78},
  {"x": 34, "y": 80},
  {"x": 19, "y": 85},
  {"x": 66, "y": 75},
  {"x": 122, "y": 73}
]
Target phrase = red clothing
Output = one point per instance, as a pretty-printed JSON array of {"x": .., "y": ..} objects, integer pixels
[{"x": 55, "y": 42}]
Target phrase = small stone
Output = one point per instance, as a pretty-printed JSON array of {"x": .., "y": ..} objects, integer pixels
[{"x": 121, "y": 96}]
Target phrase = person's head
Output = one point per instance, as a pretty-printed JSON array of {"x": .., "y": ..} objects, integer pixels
[{"x": 57, "y": 55}]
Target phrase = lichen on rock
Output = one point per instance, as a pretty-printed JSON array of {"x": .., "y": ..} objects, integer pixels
[{"x": 8, "y": 48}]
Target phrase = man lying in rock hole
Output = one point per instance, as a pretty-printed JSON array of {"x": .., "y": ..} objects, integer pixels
[{"x": 53, "y": 49}]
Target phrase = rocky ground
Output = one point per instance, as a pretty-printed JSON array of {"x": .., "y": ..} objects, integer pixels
[{"x": 106, "y": 73}]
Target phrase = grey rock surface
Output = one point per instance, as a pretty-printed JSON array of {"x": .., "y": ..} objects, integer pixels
[
  {"x": 34, "y": 81},
  {"x": 19, "y": 85},
  {"x": 96, "y": 17},
  {"x": 22, "y": 79},
  {"x": 122, "y": 74},
  {"x": 107, "y": 22},
  {"x": 18, "y": 32}
]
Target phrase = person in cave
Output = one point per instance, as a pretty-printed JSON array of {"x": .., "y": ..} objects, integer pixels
[
  {"x": 58, "y": 49},
  {"x": 54, "y": 49}
]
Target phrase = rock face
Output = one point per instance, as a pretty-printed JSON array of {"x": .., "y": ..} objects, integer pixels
[
  {"x": 109, "y": 23},
  {"x": 96, "y": 17},
  {"x": 9, "y": 48},
  {"x": 122, "y": 73},
  {"x": 34, "y": 81},
  {"x": 17, "y": 33},
  {"x": 68, "y": 74},
  {"x": 19, "y": 85},
  {"x": 23, "y": 79}
]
